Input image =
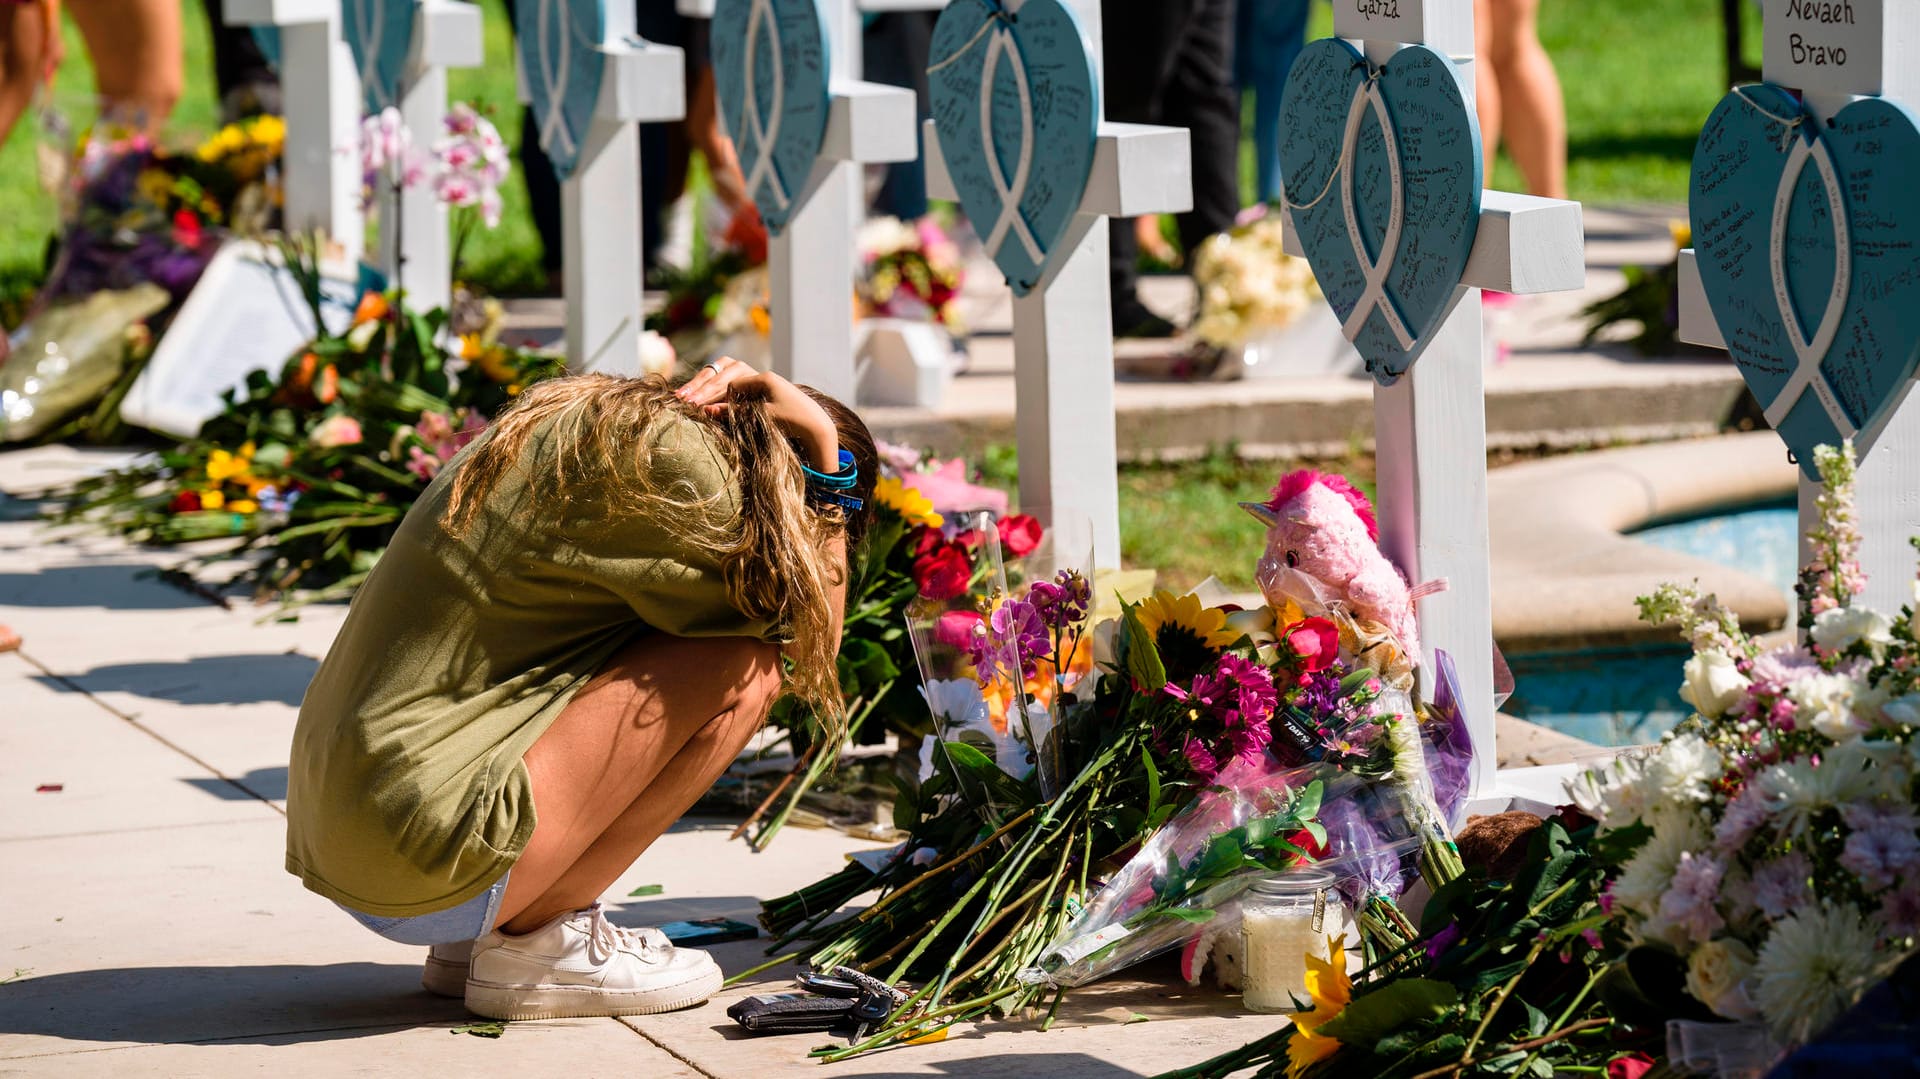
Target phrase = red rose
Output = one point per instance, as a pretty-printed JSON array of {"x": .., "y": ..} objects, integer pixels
[
  {"x": 186, "y": 229},
  {"x": 970, "y": 539},
  {"x": 1631, "y": 1066},
  {"x": 184, "y": 502},
  {"x": 1020, "y": 534},
  {"x": 1315, "y": 642},
  {"x": 1305, "y": 841},
  {"x": 925, "y": 541},
  {"x": 943, "y": 573}
]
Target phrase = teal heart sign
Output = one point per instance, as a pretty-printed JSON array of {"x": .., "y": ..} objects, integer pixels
[
  {"x": 770, "y": 69},
  {"x": 1383, "y": 181},
  {"x": 1808, "y": 244},
  {"x": 380, "y": 35},
  {"x": 560, "y": 57},
  {"x": 1013, "y": 95}
]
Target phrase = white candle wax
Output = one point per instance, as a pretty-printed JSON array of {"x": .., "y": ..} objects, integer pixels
[{"x": 1275, "y": 944}]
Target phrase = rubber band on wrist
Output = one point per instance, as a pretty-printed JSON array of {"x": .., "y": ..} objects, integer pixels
[{"x": 844, "y": 480}]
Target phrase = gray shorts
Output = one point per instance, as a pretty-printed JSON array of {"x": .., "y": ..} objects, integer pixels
[{"x": 468, "y": 921}]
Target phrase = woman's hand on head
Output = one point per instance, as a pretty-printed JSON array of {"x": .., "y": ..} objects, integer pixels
[{"x": 719, "y": 383}]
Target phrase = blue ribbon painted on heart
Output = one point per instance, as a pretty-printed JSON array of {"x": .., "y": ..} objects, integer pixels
[
  {"x": 1383, "y": 178},
  {"x": 560, "y": 55},
  {"x": 1808, "y": 245},
  {"x": 771, "y": 62},
  {"x": 1015, "y": 101},
  {"x": 380, "y": 35}
]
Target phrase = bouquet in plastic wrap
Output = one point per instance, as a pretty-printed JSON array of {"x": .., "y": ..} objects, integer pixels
[{"x": 1136, "y": 774}]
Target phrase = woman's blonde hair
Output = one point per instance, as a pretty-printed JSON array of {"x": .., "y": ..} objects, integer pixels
[{"x": 776, "y": 554}]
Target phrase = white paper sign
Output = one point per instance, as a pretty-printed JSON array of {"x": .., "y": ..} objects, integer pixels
[
  {"x": 1841, "y": 46},
  {"x": 246, "y": 314},
  {"x": 1447, "y": 25}
]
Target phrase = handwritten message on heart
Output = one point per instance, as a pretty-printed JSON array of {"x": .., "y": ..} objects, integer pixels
[
  {"x": 559, "y": 43},
  {"x": 770, "y": 68},
  {"x": 1383, "y": 180},
  {"x": 1809, "y": 252},
  {"x": 380, "y": 35},
  {"x": 1016, "y": 106}
]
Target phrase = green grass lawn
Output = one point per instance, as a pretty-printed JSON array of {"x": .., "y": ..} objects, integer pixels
[{"x": 1640, "y": 77}]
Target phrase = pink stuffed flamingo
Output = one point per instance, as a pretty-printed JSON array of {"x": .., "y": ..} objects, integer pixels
[{"x": 1322, "y": 526}]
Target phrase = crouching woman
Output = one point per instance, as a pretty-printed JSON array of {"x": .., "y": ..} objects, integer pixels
[{"x": 573, "y": 633}]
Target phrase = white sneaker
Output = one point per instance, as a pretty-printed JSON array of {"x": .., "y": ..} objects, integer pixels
[
  {"x": 445, "y": 974},
  {"x": 581, "y": 965}
]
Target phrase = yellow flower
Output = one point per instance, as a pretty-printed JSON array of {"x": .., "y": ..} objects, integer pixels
[
  {"x": 1332, "y": 991},
  {"x": 154, "y": 185},
  {"x": 243, "y": 505},
  {"x": 912, "y": 506},
  {"x": 1682, "y": 233},
  {"x": 761, "y": 318},
  {"x": 223, "y": 466},
  {"x": 1163, "y": 613},
  {"x": 212, "y": 499}
]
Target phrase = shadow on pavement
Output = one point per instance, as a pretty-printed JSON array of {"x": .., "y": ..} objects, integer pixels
[
  {"x": 268, "y": 783},
  {"x": 1009, "y": 1065},
  {"x": 258, "y": 1004},
  {"x": 260, "y": 678},
  {"x": 117, "y": 586}
]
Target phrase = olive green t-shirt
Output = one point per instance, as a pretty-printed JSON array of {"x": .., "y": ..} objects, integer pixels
[{"x": 407, "y": 793}]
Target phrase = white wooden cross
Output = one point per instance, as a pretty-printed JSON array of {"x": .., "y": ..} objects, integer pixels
[
  {"x": 447, "y": 33},
  {"x": 1833, "y": 54},
  {"x": 1063, "y": 328},
  {"x": 320, "y": 168},
  {"x": 600, "y": 203},
  {"x": 1430, "y": 427},
  {"x": 811, "y": 263}
]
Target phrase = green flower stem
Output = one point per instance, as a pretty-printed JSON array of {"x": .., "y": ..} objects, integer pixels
[
  {"x": 823, "y": 758},
  {"x": 944, "y": 867},
  {"x": 763, "y": 968},
  {"x": 895, "y": 1032},
  {"x": 1592, "y": 980},
  {"x": 1499, "y": 1002}
]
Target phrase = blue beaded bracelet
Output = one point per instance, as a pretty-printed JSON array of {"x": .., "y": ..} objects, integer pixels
[{"x": 844, "y": 480}]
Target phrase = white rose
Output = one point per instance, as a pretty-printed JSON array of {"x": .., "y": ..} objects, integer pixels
[
  {"x": 1717, "y": 973},
  {"x": 1256, "y": 623},
  {"x": 1713, "y": 684},
  {"x": 1828, "y": 703},
  {"x": 1839, "y": 629},
  {"x": 656, "y": 355}
]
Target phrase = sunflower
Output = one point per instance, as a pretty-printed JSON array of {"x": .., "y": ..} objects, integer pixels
[
  {"x": 1331, "y": 990},
  {"x": 1187, "y": 635},
  {"x": 910, "y": 504}
]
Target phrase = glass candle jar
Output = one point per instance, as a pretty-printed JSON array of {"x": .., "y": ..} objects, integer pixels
[{"x": 1282, "y": 918}]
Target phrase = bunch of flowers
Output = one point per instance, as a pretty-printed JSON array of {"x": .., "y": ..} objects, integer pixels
[
  {"x": 924, "y": 546},
  {"x": 910, "y": 271},
  {"x": 313, "y": 468},
  {"x": 721, "y": 293},
  {"x": 464, "y": 166},
  {"x": 1249, "y": 285},
  {"x": 1064, "y": 748},
  {"x": 1650, "y": 299},
  {"x": 1772, "y": 842}
]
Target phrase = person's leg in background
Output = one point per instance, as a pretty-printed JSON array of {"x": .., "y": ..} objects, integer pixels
[
  {"x": 1532, "y": 113},
  {"x": 139, "y": 62},
  {"x": 1268, "y": 37},
  {"x": 29, "y": 52},
  {"x": 1140, "y": 38},
  {"x": 247, "y": 83},
  {"x": 896, "y": 47},
  {"x": 1200, "y": 98}
]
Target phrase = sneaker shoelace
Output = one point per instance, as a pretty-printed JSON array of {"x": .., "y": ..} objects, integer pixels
[{"x": 605, "y": 938}]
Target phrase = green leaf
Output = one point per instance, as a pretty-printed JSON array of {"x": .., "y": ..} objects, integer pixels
[
  {"x": 1307, "y": 805},
  {"x": 1153, "y": 781},
  {"x": 1369, "y": 1019},
  {"x": 1190, "y": 915},
  {"x": 647, "y": 889},
  {"x": 1143, "y": 656},
  {"x": 1536, "y": 1020},
  {"x": 482, "y": 1028}
]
